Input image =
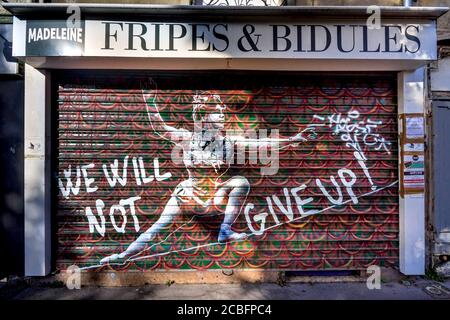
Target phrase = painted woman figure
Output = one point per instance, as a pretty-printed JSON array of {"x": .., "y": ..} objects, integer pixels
[{"x": 206, "y": 152}]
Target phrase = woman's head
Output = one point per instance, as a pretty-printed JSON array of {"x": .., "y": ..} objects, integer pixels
[{"x": 208, "y": 111}]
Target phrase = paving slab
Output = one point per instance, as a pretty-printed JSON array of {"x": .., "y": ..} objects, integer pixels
[{"x": 412, "y": 289}]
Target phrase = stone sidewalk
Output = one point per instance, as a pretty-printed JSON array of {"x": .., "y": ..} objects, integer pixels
[{"x": 416, "y": 288}]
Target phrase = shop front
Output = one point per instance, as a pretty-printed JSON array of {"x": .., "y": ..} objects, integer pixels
[{"x": 163, "y": 139}]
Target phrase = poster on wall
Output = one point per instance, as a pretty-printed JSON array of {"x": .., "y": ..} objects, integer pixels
[
  {"x": 414, "y": 147},
  {"x": 412, "y": 153},
  {"x": 414, "y": 172},
  {"x": 414, "y": 127}
]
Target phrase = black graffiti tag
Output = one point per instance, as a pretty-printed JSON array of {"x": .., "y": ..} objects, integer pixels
[{"x": 248, "y": 30}]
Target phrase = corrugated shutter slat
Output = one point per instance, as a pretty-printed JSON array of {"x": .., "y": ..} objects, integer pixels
[{"x": 102, "y": 118}]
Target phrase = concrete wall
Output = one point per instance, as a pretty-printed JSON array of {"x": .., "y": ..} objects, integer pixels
[
  {"x": 443, "y": 31},
  {"x": 440, "y": 76},
  {"x": 11, "y": 176},
  {"x": 11, "y": 159}
]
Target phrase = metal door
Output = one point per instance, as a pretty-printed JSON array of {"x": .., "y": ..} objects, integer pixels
[{"x": 441, "y": 176}]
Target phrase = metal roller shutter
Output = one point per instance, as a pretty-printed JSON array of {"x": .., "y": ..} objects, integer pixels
[{"x": 333, "y": 203}]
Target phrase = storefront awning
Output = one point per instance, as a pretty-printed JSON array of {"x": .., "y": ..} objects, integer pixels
[{"x": 140, "y": 36}]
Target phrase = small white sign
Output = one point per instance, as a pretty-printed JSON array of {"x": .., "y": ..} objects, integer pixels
[
  {"x": 415, "y": 127},
  {"x": 414, "y": 147},
  {"x": 414, "y": 171}
]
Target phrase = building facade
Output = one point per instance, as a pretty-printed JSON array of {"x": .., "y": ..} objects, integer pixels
[{"x": 212, "y": 138}]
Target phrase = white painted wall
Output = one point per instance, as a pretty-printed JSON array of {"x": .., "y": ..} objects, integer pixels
[
  {"x": 440, "y": 77},
  {"x": 37, "y": 174},
  {"x": 411, "y": 99}
]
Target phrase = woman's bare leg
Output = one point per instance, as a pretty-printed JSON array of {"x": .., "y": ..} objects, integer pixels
[
  {"x": 237, "y": 189},
  {"x": 171, "y": 210}
]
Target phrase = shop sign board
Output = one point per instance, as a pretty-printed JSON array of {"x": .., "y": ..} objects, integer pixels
[{"x": 403, "y": 40}]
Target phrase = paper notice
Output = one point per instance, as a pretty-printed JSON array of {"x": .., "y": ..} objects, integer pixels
[
  {"x": 414, "y": 172},
  {"x": 415, "y": 127}
]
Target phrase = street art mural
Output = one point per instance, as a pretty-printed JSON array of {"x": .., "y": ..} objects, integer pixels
[
  {"x": 265, "y": 3},
  {"x": 212, "y": 173}
]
